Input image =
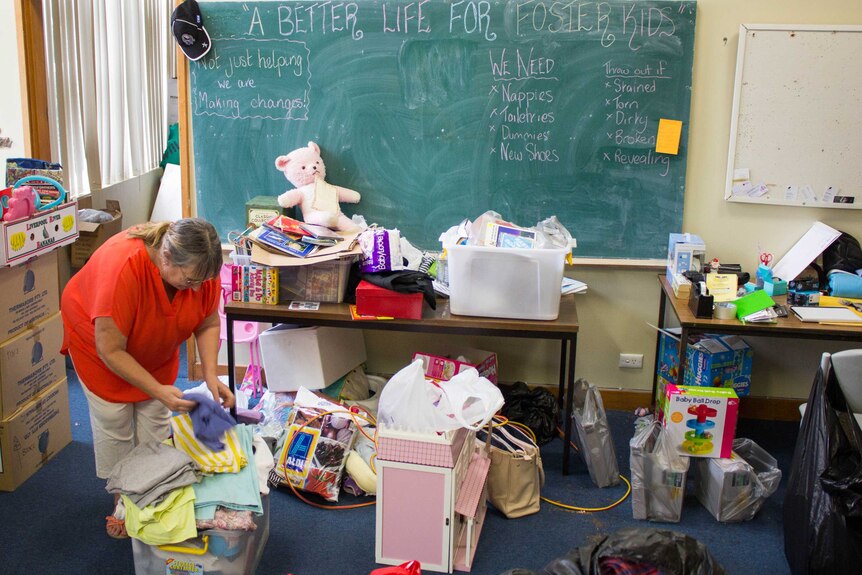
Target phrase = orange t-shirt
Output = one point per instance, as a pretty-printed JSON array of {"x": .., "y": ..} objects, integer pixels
[{"x": 121, "y": 281}]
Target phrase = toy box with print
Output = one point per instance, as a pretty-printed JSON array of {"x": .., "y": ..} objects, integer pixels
[
  {"x": 30, "y": 362},
  {"x": 94, "y": 234},
  {"x": 445, "y": 364},
  {"x": 700, "y": 421},
  {"x": 254, "y": 284},
  {"x": 44, "y": 231},
  {"x": 34, "y": 435},
  {"x": 31, "y": 293},
  {"x": 685, "y": 252}
]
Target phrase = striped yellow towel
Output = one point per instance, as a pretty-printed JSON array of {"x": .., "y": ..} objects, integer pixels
[{"x": 229, "y": 460}]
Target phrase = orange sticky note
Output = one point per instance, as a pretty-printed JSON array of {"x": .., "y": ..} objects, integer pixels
[{"x": 667, "y": 140}]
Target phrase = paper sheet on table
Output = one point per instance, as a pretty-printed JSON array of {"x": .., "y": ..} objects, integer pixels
[
  {"x": 805, "y": 251},
  {"x": 339, "y": 250}
]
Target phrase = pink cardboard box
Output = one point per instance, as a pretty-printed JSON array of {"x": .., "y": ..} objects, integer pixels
[
  {"x": 443, "y": 367},
  {"x": 701, "y": 421}
]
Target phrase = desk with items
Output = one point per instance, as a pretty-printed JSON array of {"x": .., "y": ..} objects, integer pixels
[{"x": 563, "y": 329}]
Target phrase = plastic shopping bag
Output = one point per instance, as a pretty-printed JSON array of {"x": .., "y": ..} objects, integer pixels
[
  {"x": 412, "y": 402},
  {"x": 658, "y": 475},
  {"x": 594, "y": 435}
]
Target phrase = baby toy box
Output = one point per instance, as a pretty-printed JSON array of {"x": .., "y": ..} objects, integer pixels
[
  {"x": 378, "y": 301},
  {"x": 309, "y": 357},
  {"x": 515, "y": 283},
  {"x": 42, "y": 232},
  {"x": 701, "y": 421}
]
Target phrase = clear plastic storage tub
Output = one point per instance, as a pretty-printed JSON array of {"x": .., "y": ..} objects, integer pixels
[
  {"x": 505, "y": 282},
  {"x": 214, "y": 551},
  {"x": 322, "y": 282}
]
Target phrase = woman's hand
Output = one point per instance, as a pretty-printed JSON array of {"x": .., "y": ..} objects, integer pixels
[
  {"x": 172, "y": 398},
  {"x": 224, "y": 394}
]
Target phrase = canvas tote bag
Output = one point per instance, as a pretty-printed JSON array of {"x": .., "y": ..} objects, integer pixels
[{"x": 516, "y": 475}]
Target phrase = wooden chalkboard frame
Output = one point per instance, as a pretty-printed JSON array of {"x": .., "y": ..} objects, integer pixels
[
  {"x": 191, "y": 188},
  {"x": 790, "y": 97}
]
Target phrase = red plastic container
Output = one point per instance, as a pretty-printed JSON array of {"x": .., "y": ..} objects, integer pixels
[{"x": 378, "y": 301}]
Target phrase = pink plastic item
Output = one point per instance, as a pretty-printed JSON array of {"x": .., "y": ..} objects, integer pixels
[
  {"x": 22, "y": 204},
  {"x": 243, "y": 332}
]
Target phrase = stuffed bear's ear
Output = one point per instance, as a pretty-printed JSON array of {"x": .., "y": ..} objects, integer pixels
[
  {"x": 281, "y": 162},
  {"x": 314, "y": 147}
]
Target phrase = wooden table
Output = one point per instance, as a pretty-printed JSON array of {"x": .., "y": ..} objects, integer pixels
[
  {"x": 564, "y": 329},
  {"x": 788, "y": 326}
]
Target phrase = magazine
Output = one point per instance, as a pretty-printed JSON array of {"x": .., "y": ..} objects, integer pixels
[{"x": 281, "y": 242}]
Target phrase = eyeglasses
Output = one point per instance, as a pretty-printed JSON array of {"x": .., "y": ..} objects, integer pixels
[{"x": 190, "y": 282}]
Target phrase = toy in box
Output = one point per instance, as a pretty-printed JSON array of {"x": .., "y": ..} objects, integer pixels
[
  {"x": 443, "y": 367},
  {"x": 701, "y": 421}
]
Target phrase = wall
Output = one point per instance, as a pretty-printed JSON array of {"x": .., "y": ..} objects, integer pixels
[
  {"x": 11, "y": 118},
  {"x": 613, "y": 314}
]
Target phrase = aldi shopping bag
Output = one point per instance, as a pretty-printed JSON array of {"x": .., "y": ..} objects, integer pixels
[{"x": 594, "y": 439}]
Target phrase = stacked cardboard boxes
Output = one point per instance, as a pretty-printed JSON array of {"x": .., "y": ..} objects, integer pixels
[{"x": 34, "y": 400}]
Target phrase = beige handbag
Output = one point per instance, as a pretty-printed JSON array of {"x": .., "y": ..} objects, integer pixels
[{"x": 516, "y": 475}]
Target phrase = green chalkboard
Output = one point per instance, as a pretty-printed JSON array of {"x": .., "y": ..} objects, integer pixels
[{"x": 436, "y": 111}]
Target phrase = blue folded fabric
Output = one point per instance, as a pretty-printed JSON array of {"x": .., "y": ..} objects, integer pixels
[{"x": 209, "y": 420}]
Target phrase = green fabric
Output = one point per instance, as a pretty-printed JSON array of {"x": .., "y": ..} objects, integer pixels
[
  {"x": 171, "y": 154},
  {"x": 170, "y": 521}
]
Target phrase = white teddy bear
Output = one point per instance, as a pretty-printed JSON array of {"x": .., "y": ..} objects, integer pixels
[{"x": 318, "y": 200}]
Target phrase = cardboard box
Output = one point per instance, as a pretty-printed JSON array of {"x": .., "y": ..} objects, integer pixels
[
  {"x": 92, "y": 235},
  {"x": 31, "y": 293},
  {"x": 310, "y": 357},
  {"x": 441, "y": 365},
  {"x": 709, "y": 363},
  {"x": 740, "y": 378},
  {"x": 30, "y": 363},
  {"x": 377, "y": 301},
  {"x": 40, "y": 234},
  {"x": 701, "y": 421},
  {"x": 685, "y": 252},
  {"x": 261, "y": 209},
  {"x": 34, "y": 435}
]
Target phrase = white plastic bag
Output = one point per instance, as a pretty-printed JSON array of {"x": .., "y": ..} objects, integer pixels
[{"x": 411, "y": 402}]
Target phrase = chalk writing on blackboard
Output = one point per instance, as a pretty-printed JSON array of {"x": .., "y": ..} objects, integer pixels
[{"x": 440, "y": 110}]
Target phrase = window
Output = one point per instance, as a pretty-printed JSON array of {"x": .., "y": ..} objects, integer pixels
[{"x": 108, "y": 69}]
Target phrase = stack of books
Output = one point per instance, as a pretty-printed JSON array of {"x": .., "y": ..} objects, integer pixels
[{"x": 285, "y": 235}]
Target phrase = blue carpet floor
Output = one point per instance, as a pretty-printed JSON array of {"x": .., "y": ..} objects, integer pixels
[{"x": 54, "y": 523}]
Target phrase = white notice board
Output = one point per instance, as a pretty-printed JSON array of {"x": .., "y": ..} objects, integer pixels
[{"x": 796, "y": 126}]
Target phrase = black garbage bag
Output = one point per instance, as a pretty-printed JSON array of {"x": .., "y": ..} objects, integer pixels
[
  {"x": 536, "y": 408},
  {"x": 823, "y": 504},
  {"x": 635, "y": 549}
]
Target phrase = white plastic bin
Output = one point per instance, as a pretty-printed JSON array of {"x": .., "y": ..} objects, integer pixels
[
  {"x": 223, "y": 552},
  {"x": 505, "y": 282}
]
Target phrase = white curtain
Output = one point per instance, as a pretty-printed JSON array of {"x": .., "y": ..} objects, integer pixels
[{"x": 108, "y": 70}]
